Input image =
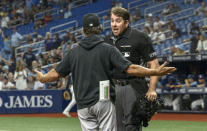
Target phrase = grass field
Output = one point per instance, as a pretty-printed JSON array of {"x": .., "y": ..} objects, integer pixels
[{"x": 72, "y": 124}]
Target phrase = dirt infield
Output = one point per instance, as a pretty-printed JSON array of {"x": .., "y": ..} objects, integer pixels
[
  {"x": 160, "y": 116},
  {"x": 181, "y": 117}
]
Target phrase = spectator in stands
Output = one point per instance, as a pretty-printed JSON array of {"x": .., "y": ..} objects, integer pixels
[
  {"x": 6, "y": 44},
  {"x": 178, "y": 50},
  {"x": 37, "y": 37},
  {"x": 194, "y": 30},
  {"x": 5, "y": 70},
  {"x": 202, "y": 44},
  {"x": 67, "y": 13},
  {"x": 28, "y": 57},
  {"x": 30, "y": 81},
  {"x": 166, "y": 10},
  {"x": 38, "y": 85},
  {"x": 136, "y": 16},
  {"x": 28, "y": 4},
  {"x": 56, "y": 57},
  {"x": 20, "y": 76},
  {"x": 153, "y": 33},
  {"x": 149, "y": 21},
  {"x": 11, "y": 64},
  {"x": 48, "y": 42},
  {"x": 7, "y": 84},
  {"x": 16, "y": 39},
  {"x": 174, "y": 8},
  {"x": 29, "y": 39},
  {"x": 160, "y": 35},
  {"x": 5, "y": 21},
  {"x": 201, "y": 10},
  {"x": 46, "y": 59},
  {"x": 175, "y": 32},
  {"x": 35, "y": 64},
  {"x": 11, "y": 79},
  {"x": 57, "y": 41},
  {"x": 170, "y": 23},
  {"x": 147, "y": 30},
  {"x": 48, "y": 17},
  {"x": 194, "y": 43},
  {"x": 40, "y": 59},
  {"x": 39, "y": 24},
  {"x": 158, "y": 23},
  {"x": 1, "y": 82}
]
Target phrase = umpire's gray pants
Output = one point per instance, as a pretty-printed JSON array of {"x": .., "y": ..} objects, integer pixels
[{"x": 99, "y": 117}]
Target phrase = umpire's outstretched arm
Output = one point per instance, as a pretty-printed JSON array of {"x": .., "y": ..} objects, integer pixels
[{"x": 140, "y": 71}]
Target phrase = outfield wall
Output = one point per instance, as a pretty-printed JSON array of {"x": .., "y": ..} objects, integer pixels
[{"x": 36, "y": 101}]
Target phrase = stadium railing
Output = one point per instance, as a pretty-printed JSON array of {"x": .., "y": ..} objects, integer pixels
[
  {"x": 180, "y": 14},
  {"x": 37, "y": 46},
  {"x": 64, "y": 26},
  {"x": 156, "y": 8},
  {"x": 40, "y": 15}
]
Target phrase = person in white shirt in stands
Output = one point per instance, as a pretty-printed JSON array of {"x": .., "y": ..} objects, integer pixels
[
  {"x": 4, "y": 21},
  {"x": 1, "y": 82},
  {"x": 16, "y": 39},
  {"x": 20, "y": 75},
  {"x": 158, "y": 23},
  {"x": 202, "y": 44},
  {"x": 38, "y": 85},
  {"x": 67, "y": 13},
  {"x": 7, "y": 84}
]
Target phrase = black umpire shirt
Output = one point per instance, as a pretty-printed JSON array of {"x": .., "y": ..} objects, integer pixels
[
  {"x": 137, "y": 47},
  {"x": 90, "y": 62}
]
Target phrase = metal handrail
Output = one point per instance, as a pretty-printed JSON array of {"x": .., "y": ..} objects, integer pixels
[
  {"x": 55, "y": 27},
  {"x": 41, "y": 14},
  {"x": 25, "y": 46},
  {"x": 151, "y": 7},
  {"x": 179, "y": 12}
]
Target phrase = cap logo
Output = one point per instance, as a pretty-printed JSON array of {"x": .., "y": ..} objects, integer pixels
[{"x": 91, "y": 24}]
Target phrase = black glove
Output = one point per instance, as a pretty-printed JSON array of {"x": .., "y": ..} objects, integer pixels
[{"x": 143, "y": 110}]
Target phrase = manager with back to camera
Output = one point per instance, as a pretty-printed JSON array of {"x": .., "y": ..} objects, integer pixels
[
  {"x": 91, "y": 64},
  {"x": 137, "y": 47}
]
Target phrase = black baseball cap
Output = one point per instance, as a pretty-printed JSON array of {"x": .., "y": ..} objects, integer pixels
[{"x": 90, "y": 20}]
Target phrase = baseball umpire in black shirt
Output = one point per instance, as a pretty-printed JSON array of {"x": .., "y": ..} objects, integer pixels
[
  {"x": 136, "y": 47},
  {"x": 91, "y": 64}
]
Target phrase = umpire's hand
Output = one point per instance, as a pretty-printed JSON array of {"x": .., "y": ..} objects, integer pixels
[
  {"x": 151, "y": 95},
  {"x": 162, "y": 70}
]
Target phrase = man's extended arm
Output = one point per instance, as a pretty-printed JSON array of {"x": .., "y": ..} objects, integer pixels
[
  {"x": 141, "y": 71},
  {"x": 51, "y": 76}
]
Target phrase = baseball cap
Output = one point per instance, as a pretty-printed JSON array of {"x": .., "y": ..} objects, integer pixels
[
  {"x": 90, "y": 20},
  {"x": 201, "y": 76},
  {"x": 190, "y": 76}
]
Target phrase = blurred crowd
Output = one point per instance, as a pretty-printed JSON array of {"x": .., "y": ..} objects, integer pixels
[
  {"x": 177, "y": 102},
  {"x": 16, "y": 71}
]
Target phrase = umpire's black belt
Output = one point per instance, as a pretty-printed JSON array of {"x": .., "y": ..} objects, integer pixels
[{"x": 124, "y": 82}]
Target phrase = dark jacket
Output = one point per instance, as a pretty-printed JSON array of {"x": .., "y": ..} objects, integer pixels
[{"x": 91, "y": 62}]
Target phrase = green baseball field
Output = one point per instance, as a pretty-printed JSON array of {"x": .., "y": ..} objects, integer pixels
[{"x": 43, "y": 123}]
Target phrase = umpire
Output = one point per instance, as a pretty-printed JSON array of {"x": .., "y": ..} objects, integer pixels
[
  {"x": 136, "y": 47},
  {"x": 91, "y": 64}
]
